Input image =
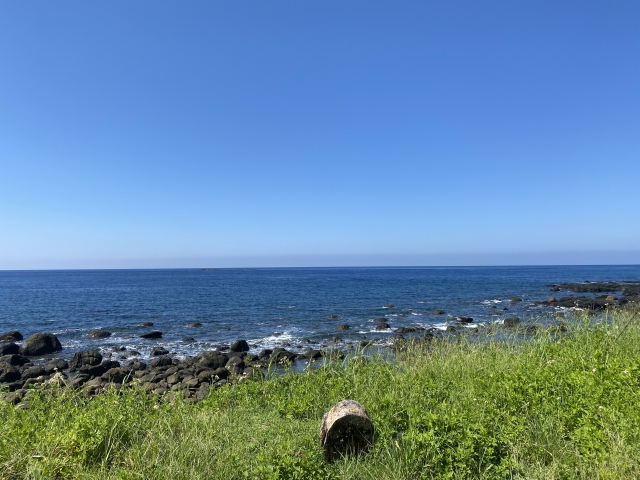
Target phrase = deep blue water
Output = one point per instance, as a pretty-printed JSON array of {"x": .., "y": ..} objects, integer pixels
[{"x": 268, "y": 307}]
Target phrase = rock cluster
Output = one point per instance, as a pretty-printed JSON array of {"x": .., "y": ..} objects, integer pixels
[
  {"x": 193, "y": 377},
  {"x": 630, "y": 294}
]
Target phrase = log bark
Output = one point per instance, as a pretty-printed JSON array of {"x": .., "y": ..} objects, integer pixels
[{"x": 346, "y": 430}]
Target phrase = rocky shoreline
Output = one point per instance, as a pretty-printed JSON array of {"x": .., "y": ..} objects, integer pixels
[{"x": 31, "y": 362}]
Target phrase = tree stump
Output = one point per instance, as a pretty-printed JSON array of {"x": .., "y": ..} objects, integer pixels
[{"x": 346, "y": 430}]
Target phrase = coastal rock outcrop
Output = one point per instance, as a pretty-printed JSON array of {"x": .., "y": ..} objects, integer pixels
[
  {"x": 40, "y": 343},
  {"x": 239, "y": 346}
]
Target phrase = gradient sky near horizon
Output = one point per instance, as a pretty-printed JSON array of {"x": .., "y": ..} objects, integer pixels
[{"x": 288, "y": 133}]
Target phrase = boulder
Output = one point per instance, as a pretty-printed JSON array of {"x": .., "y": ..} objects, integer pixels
[
  {"x": 343, "y": 327},
  {"x": 85, "y": 358},
  {"x": 56, "y": 365},
  {"x": 382, "y": 326},
  {"x": 211, "y": 359},
  {"x": 40, "y": 343},
  {"x": 163, "y": 361},
  {"x": 515, "y": 299},
  {"x": 11, "y": 336},
  {"x": 92, "y": 370},
  {"x": 464, "y": 319},
  {"x": 280, "y": 355},
  {"x": 239, "y": 346},
  {"x": 109, "y": 364},
  {"x": 8, "y": 373},
  {"x": 117, "y": 375},
  {"x": 99, "y": 334},
  {"x": 235, "y": 362},
  {"x": 405, "y": 330},
  {"x": 188, "y": 339},
  {"x": 346, "y": 430},
  {"x": 9, "y": 349},
  {"x": 151, "y": 335},
  {"x": 146, "y": 324},
  {"x": 194, "y": 324},
  {"x": 511, "y": 322},
  {"x": 15, "y": 360},
  {"x": 159, "y": 351},
  {"x": 381, "y": 320},
  {"x": 438, "y": 312},
  {"x": 33, "y": 372},
  {"x": 333, "y": 317}
]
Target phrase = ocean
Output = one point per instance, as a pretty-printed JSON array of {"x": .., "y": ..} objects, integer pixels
[{"x": 271, "y": 307}]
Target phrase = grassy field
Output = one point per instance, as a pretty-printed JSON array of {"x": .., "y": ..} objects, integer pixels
[{"x": 557, "y": 406}]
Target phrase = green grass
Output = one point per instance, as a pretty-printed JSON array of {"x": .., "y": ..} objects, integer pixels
[{"x": 553, "y": 407}]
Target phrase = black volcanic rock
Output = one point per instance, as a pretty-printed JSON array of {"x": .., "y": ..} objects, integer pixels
[
  {"x": 151, "y": 335},
  {"x": 239, "y": 346},
  {"x": 11, "y": 336},
  {"x": 40, "y": 343}
]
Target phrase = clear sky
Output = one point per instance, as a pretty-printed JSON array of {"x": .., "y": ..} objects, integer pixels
[{"x": 321, "y": 132}]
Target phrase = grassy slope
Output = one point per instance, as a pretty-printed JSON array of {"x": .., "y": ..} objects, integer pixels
[{"x": 549, "y": 408}]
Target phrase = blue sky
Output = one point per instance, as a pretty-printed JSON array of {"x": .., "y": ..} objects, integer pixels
[{"x": 289, "y": 133}]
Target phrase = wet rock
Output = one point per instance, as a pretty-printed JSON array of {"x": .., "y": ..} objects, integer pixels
[
  {"x": 551, "y": 300},
  {"x": 11, "y": 336},
  {"x": 515, "y": 299},
  {"x": 343, "y": 327},
  {"x": 504, "y": 309},
  {"x": 335, "y": 340},
  {"x": 389, "y": 305},
  {"x": 151, "y": 335},
  {"x": 382, "y": 326},
  {"x": 438, "y": 312},
  {"x": 511, "y": 322},
  {"x": 266, "y": 353},
  {"x": 146, "y": 324},
  {"x": 9, "y": 349},
  {"x": 239, "y": 346},
  {"x": 40, "y": 343},
  {"x": 15, "y": 360},
  {"x": 464, "y": 319},
  {"x": 85, "y": 358},
  {"x": 159, "y": 351},
  {"x": 194, "y": 324},
  {"x": 99, "y": 334},
  {"x": 405, "y": 330},
  {"x": 188, "y": 339},
  {"x": 8, "y": 373},
  {"x": 346, "y": 430},
  {"x": 381, "y": 320},
  {"x": 333, "y": 317}
]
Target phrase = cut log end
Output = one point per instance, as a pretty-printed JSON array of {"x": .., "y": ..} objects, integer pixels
[{"x": 346, "y": 430}]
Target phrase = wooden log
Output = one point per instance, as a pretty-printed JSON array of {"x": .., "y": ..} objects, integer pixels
[{"x": 346, "y": 430}]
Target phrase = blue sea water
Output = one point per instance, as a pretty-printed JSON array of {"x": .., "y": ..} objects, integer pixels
[{"x": 269, "y": 307}]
